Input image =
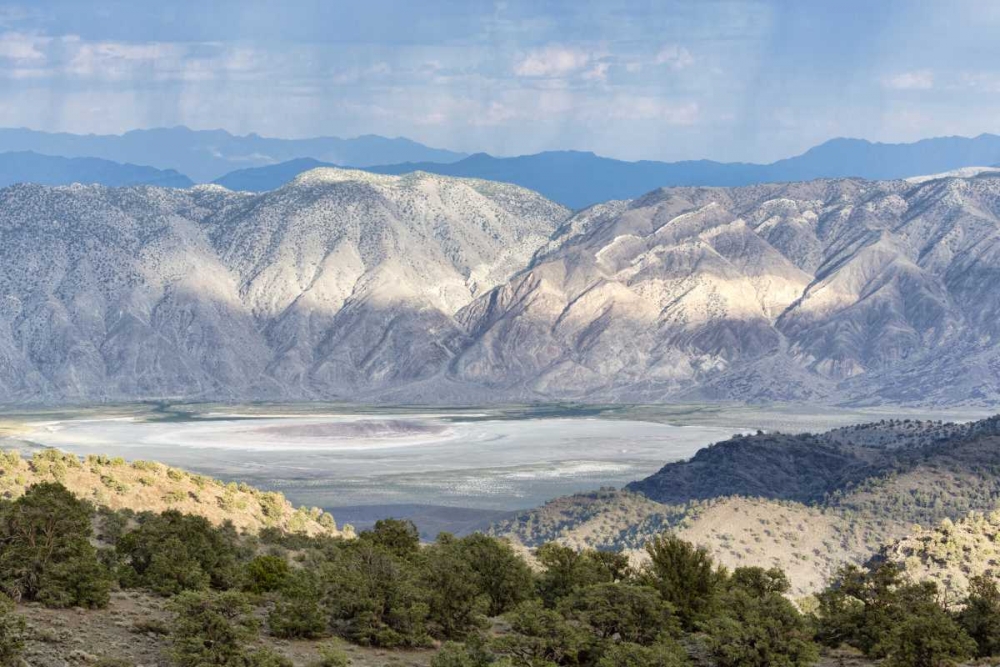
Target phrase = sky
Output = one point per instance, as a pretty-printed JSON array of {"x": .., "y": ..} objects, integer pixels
[{"x": 753, "y": 80}]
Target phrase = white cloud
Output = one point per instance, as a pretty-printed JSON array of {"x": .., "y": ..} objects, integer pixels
[
  {"x": 552, "y": 61},
  {"x": 39, "y": 56},
  {"x": 599, "y": 72},
  {"x": 914, "y": 80},
  {"x": 496, "y": 113},
  {"x": 986, "y": 82},
  {"x": 357, "y": 75},
  {"x": 12, "y": 15},
  {"x": 118, "y": 60},
  {"x": 23, "y": 47},
  {"x": 674, "y": 56},
  {"x": 432, "y": 118},
  {"x": 651, "y": 108}
]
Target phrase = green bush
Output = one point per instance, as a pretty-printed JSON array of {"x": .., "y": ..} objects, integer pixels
[
  {"x": 927, "y": 638},
  {"x": 264, "y": 574},
  {"x": 217, "y": 629},
  {"x": 272, "y": 506},
  {"x": 753, "y": 630},
  {"x": 398, "y": 537},
  {"x": 540, "y": 636},
  {"x": 566, "y": 570},
  {"x": 454, "y": 599},
  {"x": 332, "y": 655},
  {"x": 298, "y": 610},
  {"x": 499, "y": 572},
  {"x": 173, "y": 552},
  {"x": 667, "y": 654},
  {"x": 685, "y": 576},
  {"x": 880, "y": 612},
  {"x": 453, "y": 654},
  {"x": 981, "y": 616},
  {"x": 623, "y": 612},
  {"x": 375, "y": 597},
  {"x": 47, "y": 554},
  {"x": 13, "y": 631}
]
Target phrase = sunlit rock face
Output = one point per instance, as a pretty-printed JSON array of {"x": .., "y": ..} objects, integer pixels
[
  {"x": 829, "y": 290},
  {"x": 340, "y": 282},
  {"x": 348, "y": 285}
]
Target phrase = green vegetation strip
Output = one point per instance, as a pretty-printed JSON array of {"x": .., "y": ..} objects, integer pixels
[{"x": 475, "y": 597}]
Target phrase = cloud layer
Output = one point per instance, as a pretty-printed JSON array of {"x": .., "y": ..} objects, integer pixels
[{"x": 753, "y": 80}]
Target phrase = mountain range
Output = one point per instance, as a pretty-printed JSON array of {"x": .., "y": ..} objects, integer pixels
[
  {"x": 29, "y": 167},
  {"x": 578, "y": 179},
  {"x": 204, "y": 155},
  {"x": 337, "y": 283},
  {"x": 423, "y": 288},
  {"x": 572, "y": 178}
]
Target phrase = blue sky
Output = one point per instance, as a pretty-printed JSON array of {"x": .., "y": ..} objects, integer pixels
[{"x": 746, "y": 80}]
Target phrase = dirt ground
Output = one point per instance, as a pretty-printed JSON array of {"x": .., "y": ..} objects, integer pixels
[{"x": 133, "y": 628}]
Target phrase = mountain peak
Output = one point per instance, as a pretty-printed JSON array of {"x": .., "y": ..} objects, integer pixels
[{"x": 339, "y": 175}]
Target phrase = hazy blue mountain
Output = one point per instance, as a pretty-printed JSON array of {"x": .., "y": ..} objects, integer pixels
[
  {"x": 572, "y": 178},
  {"x": 208, "y": 154},
  {"x": 271, "y": 177},
  {"x": 578, "y": 179},
  {"x": 855, "y": 157},
  {"x": 28, "y": 167}
]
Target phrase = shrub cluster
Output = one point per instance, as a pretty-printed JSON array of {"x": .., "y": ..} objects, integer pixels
[
  {"x": 47, "y": 555},
  {"x": 474, "y": 595},
  {"x": 886, "y": 616},
  {"x": 591, "y": 608}
]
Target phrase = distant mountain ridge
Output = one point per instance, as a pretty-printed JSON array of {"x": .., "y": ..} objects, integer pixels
[
  {"x": 575, "y": 179},
  {"x": 579, "y": 179},
  {"x": 29, "y": 167},
  {"x": 205, "y": 155}
]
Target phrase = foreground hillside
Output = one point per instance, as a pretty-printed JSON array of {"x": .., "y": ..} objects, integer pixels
[
  {"x": 423, "y": 288},
  {"x": 147, "y": 486},
  {"x": 121, "y": 589},
  {"x": 806, "y": 503}
]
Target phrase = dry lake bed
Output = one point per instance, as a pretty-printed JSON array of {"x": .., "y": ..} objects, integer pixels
[{"x": 446, "y": 469}]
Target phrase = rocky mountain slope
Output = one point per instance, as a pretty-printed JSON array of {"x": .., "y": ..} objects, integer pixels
[
  {"x": 423, "y": 288},
  {"x": 339, "y": 281},
  {"x": 826, "y": 291},
  {"x": 807, "y": 503}
]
